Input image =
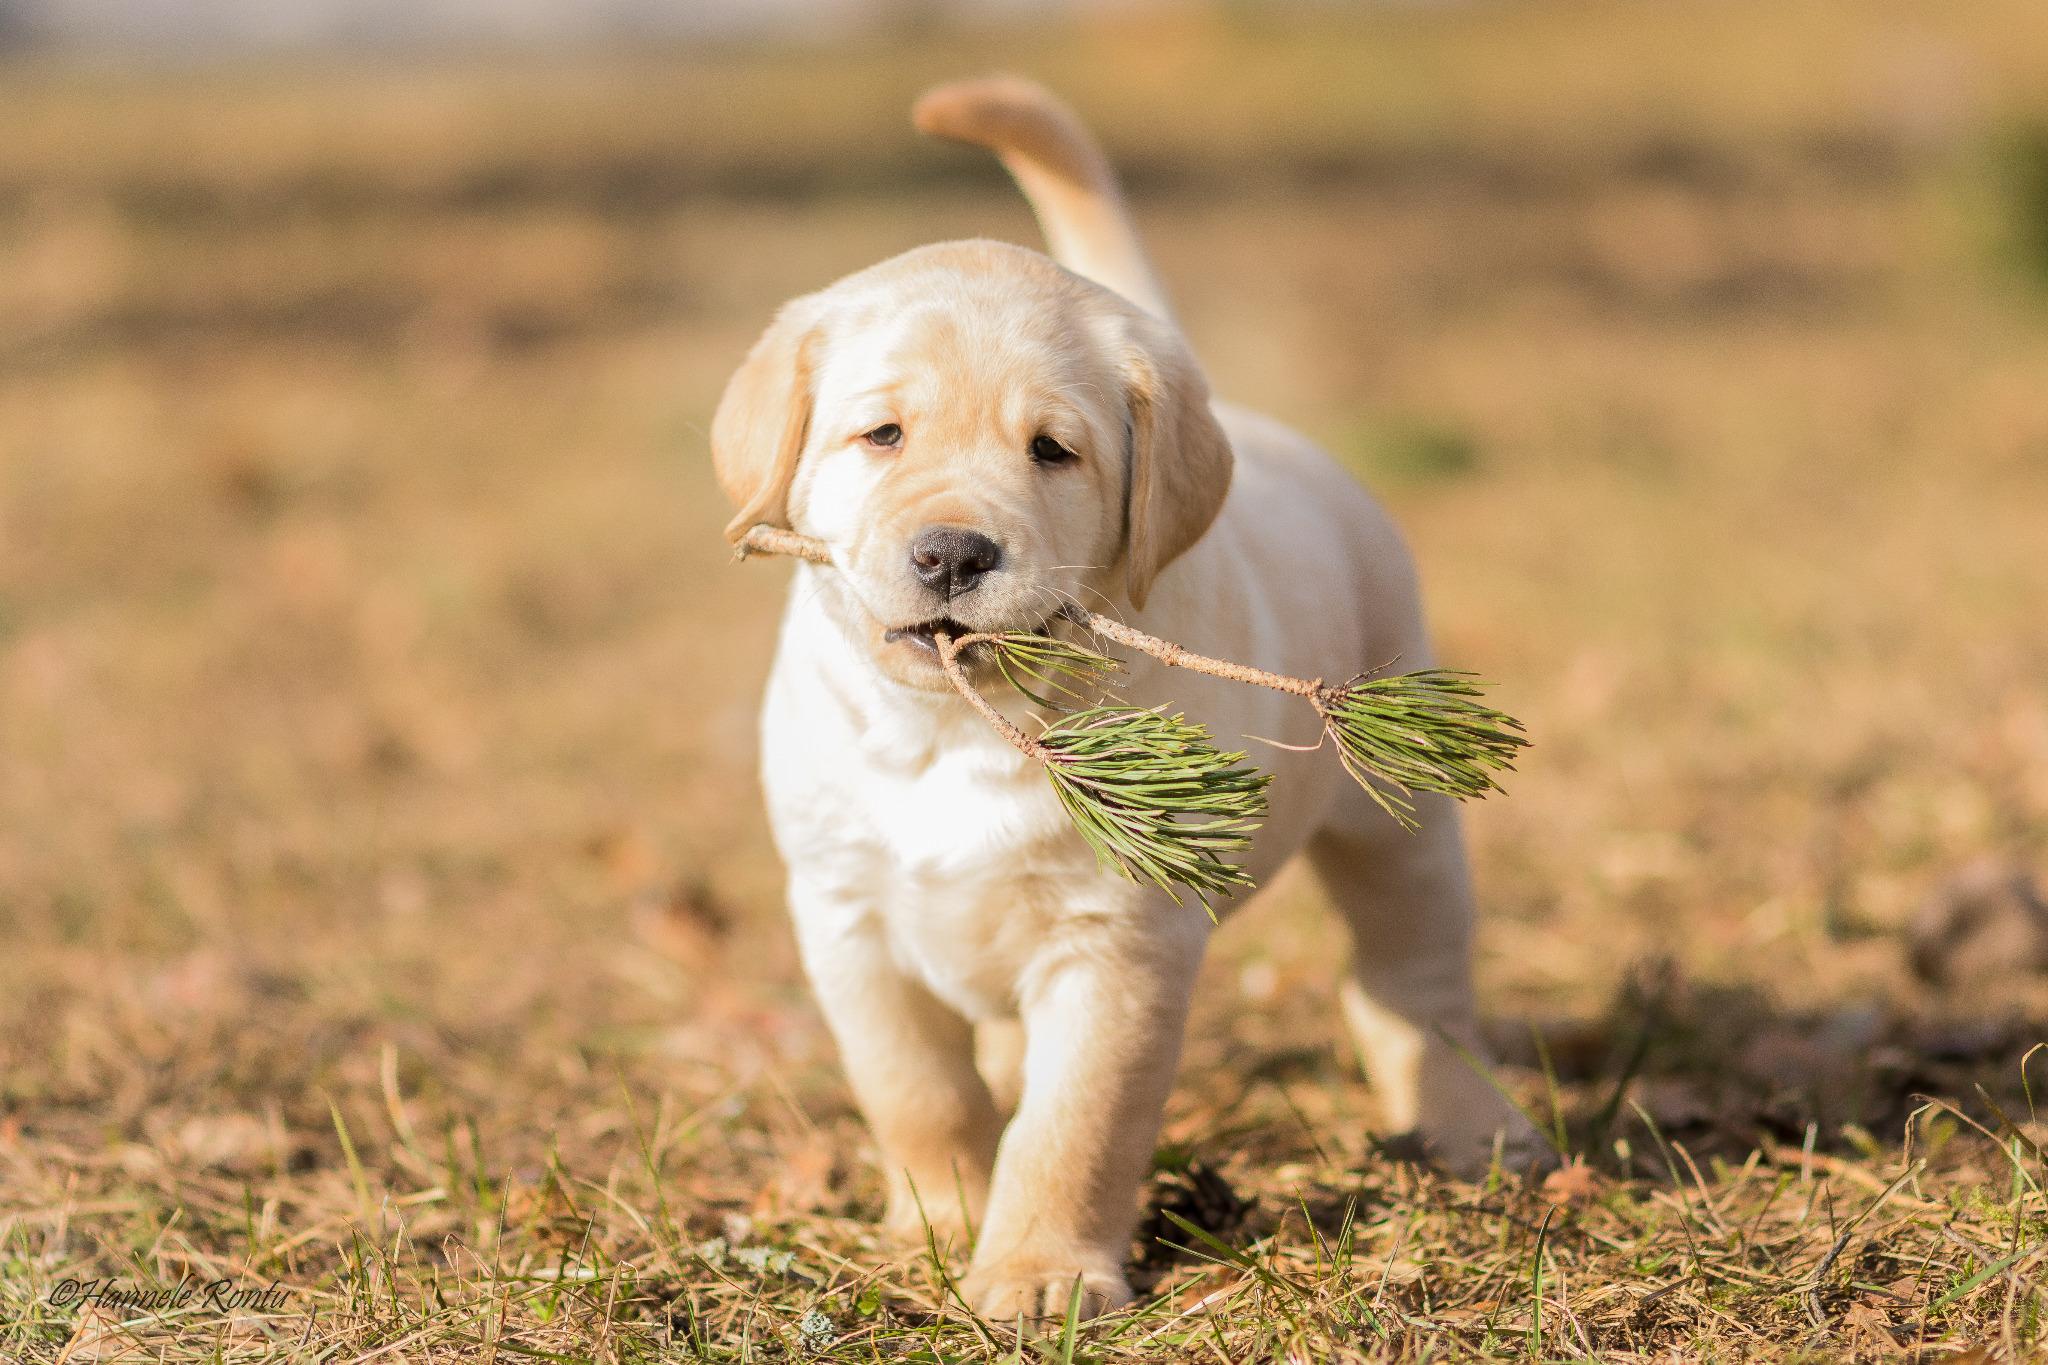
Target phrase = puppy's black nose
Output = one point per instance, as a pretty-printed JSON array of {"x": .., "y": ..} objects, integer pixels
[{"x": 951, "y": 559}]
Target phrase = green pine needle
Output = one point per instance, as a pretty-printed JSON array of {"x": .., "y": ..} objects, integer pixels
[
  {"x": 1420, "y": 732},
  {"x": 1155, "y": 798},
  {"x": 1052, "y": 666}
]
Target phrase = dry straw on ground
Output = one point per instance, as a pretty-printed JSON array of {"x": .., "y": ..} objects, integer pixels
[{"x": 384, "y": 908}]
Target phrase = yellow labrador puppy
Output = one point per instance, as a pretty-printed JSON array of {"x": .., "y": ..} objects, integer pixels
[{"x": 980, "y": 434}]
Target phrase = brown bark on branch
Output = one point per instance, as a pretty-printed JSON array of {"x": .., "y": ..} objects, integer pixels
[
  {"x": 1176, "y": 656},
  {"x": 773, "y": 540},
  {"x": 949, "y": 659}
]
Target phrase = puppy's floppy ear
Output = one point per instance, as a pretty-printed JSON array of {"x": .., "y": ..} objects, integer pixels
[
  {"x": 1180, "y": 458},
  {"x": 759, "y": 428}
]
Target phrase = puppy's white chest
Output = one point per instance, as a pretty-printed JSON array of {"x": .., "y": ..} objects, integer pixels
[
  {"x": 908, "y": 822},
  {"x": 969, "y": 812},
  {"x": 972, "y": 842}
]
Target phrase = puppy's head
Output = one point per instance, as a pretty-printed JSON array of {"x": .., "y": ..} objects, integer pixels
[{"x": 979, "y": 436}]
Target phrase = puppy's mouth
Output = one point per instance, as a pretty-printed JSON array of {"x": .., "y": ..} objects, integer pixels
[{"x": 923, "y": 635}]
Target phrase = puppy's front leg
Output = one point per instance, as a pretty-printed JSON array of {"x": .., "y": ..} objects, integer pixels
[
  {"x": 1103, "y": 1026},
  {"x": 910, "y": 1060}
]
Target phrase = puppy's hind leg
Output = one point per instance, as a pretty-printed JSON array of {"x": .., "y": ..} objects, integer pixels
[
  {"x": 999, "y": 1057},
  {"x": 1407, "y": 900}
]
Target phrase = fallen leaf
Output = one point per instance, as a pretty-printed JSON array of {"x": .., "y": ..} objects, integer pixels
[
  {"x": 1864, "y": 1318},
  {"x": 1216, "y": 1282},
  {"x": 1573, "y": 1184}
]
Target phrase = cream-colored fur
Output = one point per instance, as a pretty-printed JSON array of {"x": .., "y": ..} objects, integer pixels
[{"x": 944, "y": 908}]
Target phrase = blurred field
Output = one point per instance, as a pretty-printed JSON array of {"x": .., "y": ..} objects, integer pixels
[{"x": 386, "y": 904}]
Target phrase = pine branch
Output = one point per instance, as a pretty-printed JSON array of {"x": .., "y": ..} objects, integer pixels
[
  {"x": 1149, "y": 792},
  {"x": 1422, "y": 731},
  {"x": 1153, "y": 795}
]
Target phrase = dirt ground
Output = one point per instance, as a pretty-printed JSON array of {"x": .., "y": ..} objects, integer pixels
[{"x": 387, "y": 909}]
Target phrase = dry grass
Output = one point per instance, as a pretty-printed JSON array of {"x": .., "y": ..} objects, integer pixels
[{"x": 387, "y": 909}]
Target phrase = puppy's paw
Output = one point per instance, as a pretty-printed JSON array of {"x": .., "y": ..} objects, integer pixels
[
  {"x": 1039, "y": 1289},
  {"x": 1465, "y": 1132},
  {"x": 945, "y": 1224},
  {"x": 1517, "y": 1147}
]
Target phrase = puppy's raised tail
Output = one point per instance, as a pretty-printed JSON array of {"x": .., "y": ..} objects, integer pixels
[{"x": 1065, "y": 176}]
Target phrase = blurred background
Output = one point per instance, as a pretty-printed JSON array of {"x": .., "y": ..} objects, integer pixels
[{"x": 377, "y": 691}]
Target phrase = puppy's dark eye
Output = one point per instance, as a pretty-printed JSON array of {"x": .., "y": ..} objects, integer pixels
[
  {"x": 885, "y": 437},
  {"x": 1046, "y": 450}
]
